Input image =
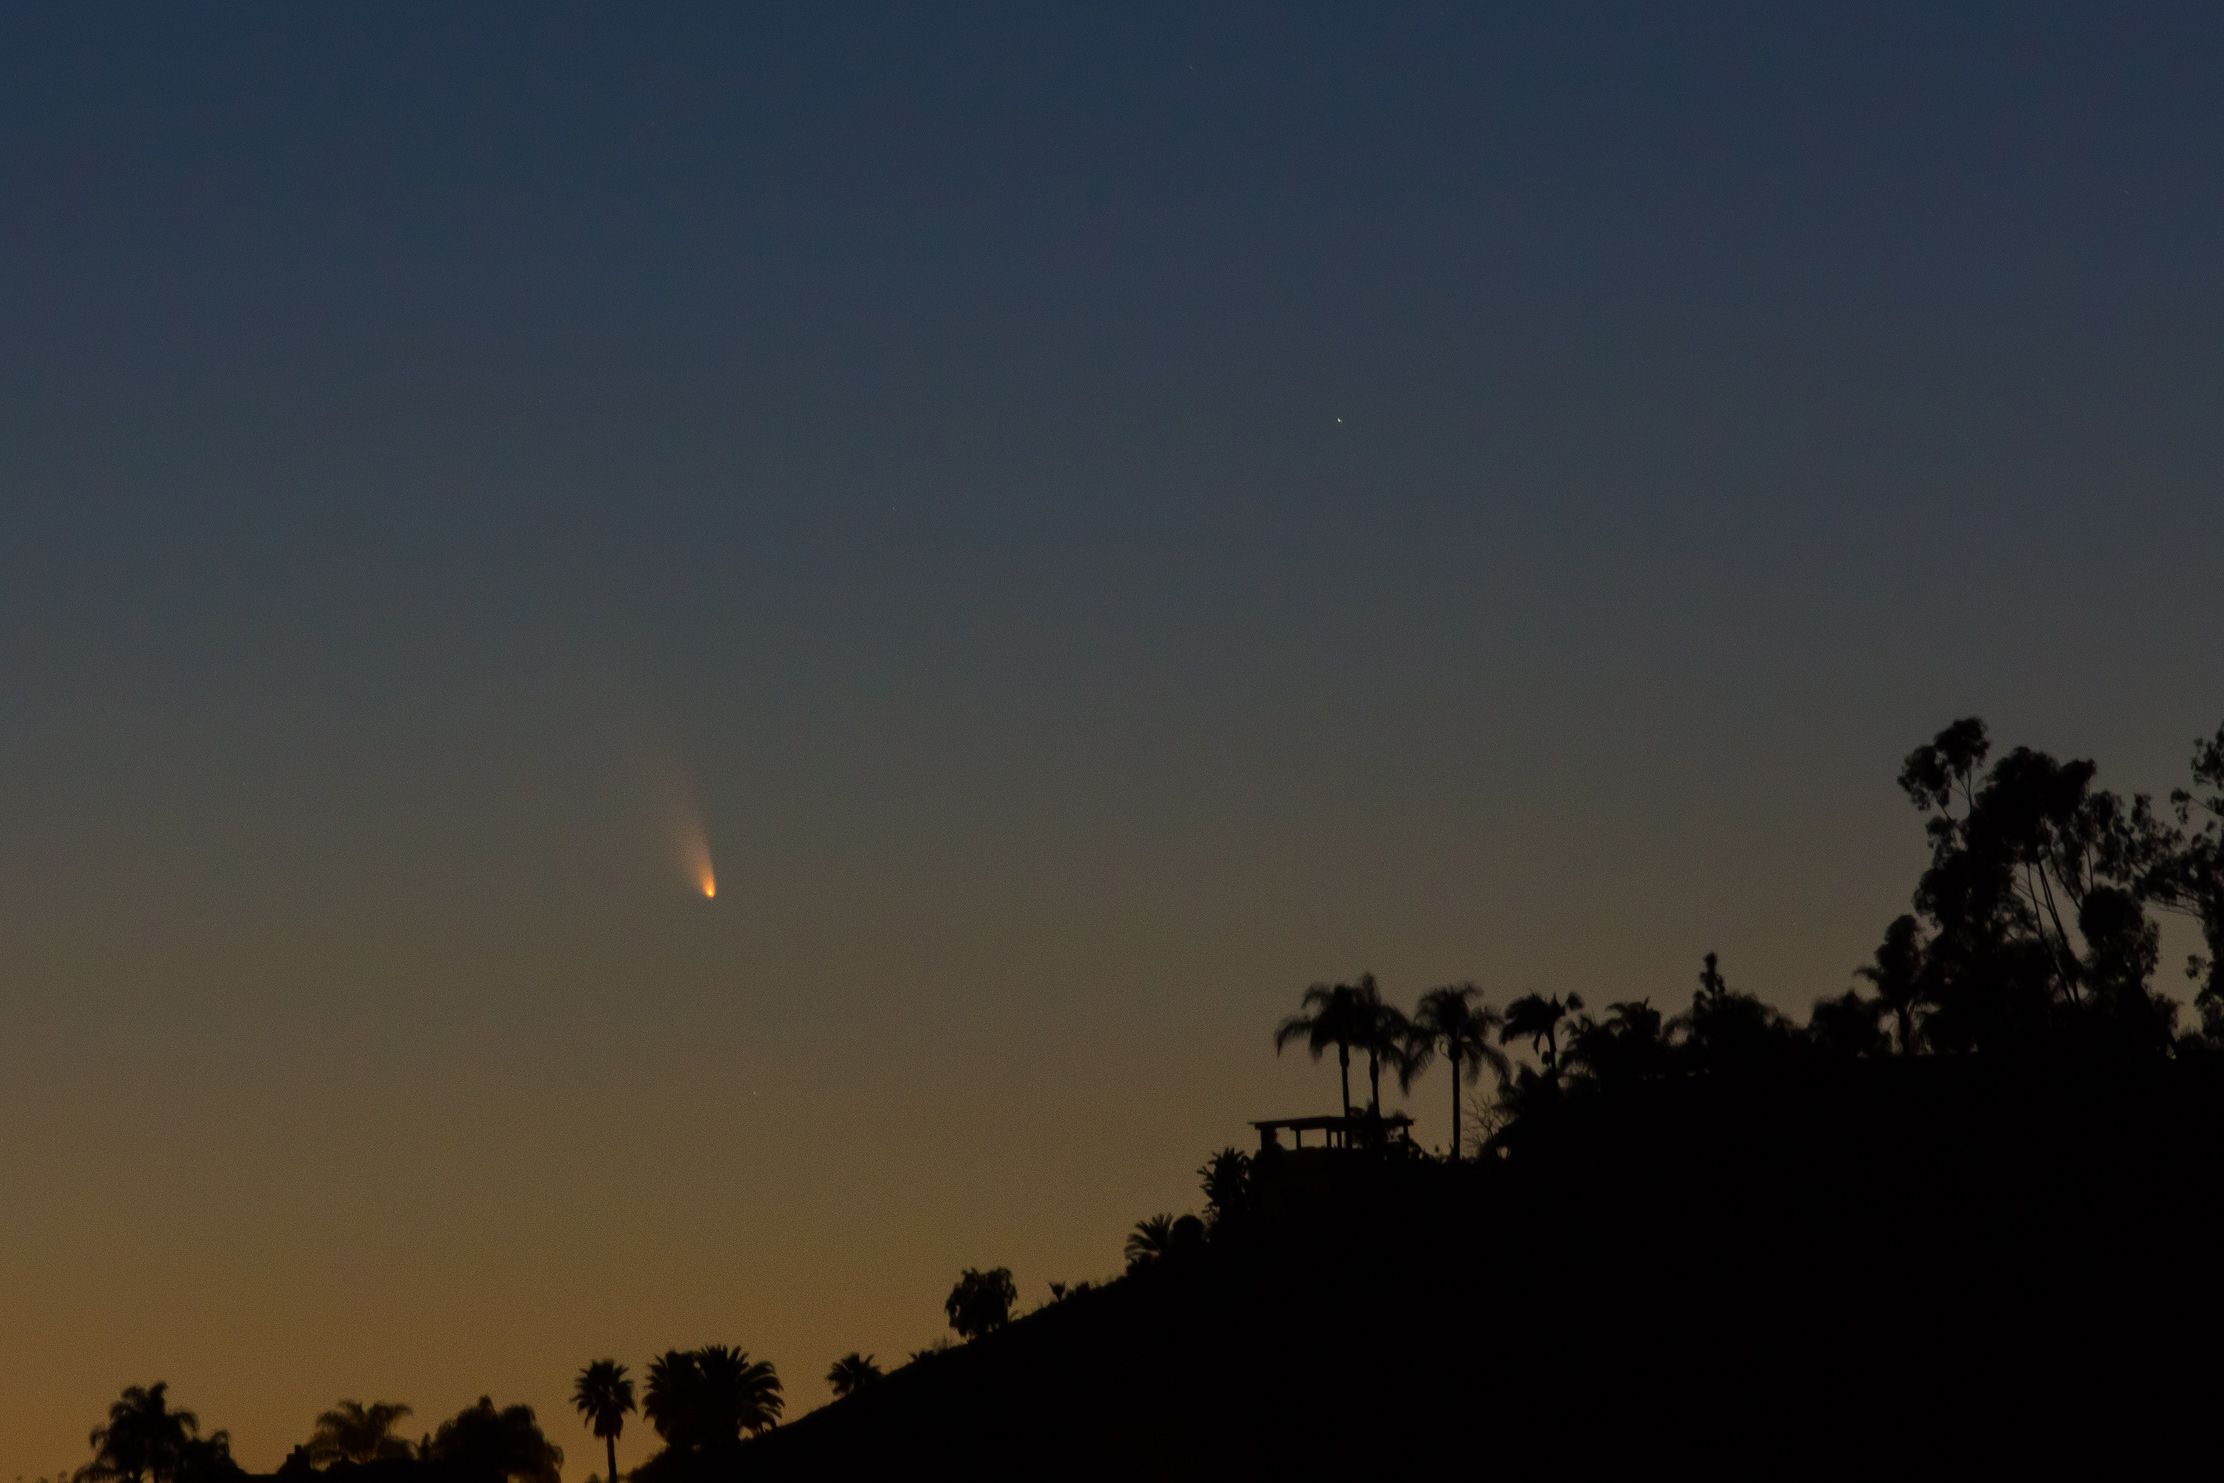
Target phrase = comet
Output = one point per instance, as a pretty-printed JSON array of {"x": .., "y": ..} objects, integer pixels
[
  {"x": 694, "y": 847},
  {"x": 682, "y": 808}
]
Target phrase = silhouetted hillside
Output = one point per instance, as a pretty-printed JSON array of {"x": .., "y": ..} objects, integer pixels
[{"x": 1928, "y": 1258}]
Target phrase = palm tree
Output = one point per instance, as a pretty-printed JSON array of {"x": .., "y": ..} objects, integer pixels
[
  {"x": 742, "y": 1394},
  {"x": 1149, "y": 1241},
  {"x": 851, "y": 1374},
  {"x": 142, "y": 1439},
  {"x": 673, "y": 1402},
  {"x": 701, "y": 1398},
  {"x": 603, "y": 1394},
  {"x": 1386, "y": 1034},
  {"x": 1629, "y": 1044},
  {"x": 1636, "y": 1019},
  {"x": 1225, "y": 1179},
  {"x": 1453, "y": 1022},
  {"x": 354, "y": 1432},
  {"x": 1329, "y": 1016},
  {"x": 1536, "y": 1019}
]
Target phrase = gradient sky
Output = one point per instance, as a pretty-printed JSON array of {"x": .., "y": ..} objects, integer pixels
[{"x": 1113, "y": 512}]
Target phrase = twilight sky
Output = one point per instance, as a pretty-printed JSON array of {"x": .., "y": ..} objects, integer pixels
[{"x": 1109, "y": 513}]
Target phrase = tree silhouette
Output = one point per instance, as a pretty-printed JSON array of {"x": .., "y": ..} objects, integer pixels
[
  {"x": 1225, "y": 1179},
  {"x": 1899, "y": 972},
  {"x": 705, "y": 1398},
  {"x": 506, "y": 1443},
  {"x": 1536, "y": 1019},
  {"x": 2192, "y": 880},
  {"x": 1630, "y": 1044},
  {"x": 1149, "y": 1241},
  {"x": 981, "y": 1302},
  {"x": 1453, "y": 1022},
  {"x": 743, "y": 1394},
  {"x": 1848, "y": 1026},
  {"x": 1185, "y": 1239},
  {"x": 852, "y": 1373},
  {"x": 2035, "y": 812},
  {"x": 603, "y": 1395},
  {"x": 354, "y": 1432},
  {"x": 1329, "y": 1015},
  {"x": 209, "y": 1460},
  {"x": 1636, "y": 1020},
  {"x": 2122, "y": 948},
  {"x": 2036, "y": 894},
  {"x": 145, "y": 1441},
  {"x": 673, "y": 1401},
  {"x": 1942, "y": 774},
  {"x": 1989, "y": 986},
  {"x": 1385, "y": 1035},
  {"x": 1726, "y": 1028}
]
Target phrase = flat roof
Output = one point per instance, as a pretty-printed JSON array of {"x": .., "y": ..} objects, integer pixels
[{"x": 1331, "y": 1120}]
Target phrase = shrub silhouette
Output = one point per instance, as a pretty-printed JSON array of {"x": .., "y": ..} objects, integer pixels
[
  {"x": 1225, "y": 1180},
  {"x": 484, "y": 1442},
  {"x": 852, "y": 1373},
  {"x": 981, "y": 1302},
  {"x": 354, "y": 1432}
]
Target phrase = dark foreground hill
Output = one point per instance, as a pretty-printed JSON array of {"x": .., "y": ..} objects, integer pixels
[{"x": 1920, "y": 1263}]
